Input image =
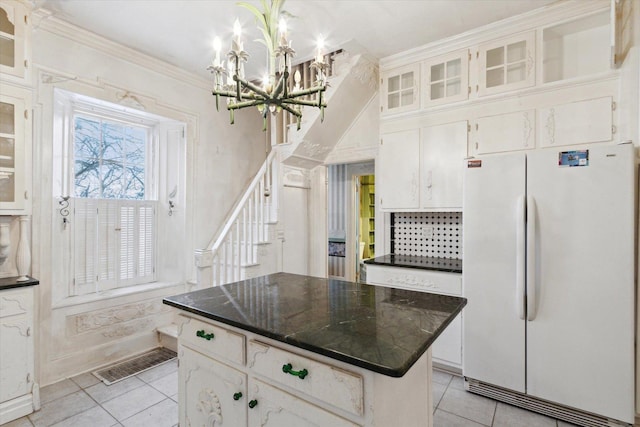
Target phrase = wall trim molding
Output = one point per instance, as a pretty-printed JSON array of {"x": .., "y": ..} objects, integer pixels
[
  {"x": 553, "y": 13},
  {"x": 45, "y": 20}
]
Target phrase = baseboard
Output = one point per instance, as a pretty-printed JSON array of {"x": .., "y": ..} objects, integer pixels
[{"x": 16, "y": 408}]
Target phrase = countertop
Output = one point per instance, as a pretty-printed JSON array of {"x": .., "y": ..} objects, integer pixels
[
  {"x": 448, "y": 265},
  {"x": 382, "y": 329},
  {"x": 12, "y": 282}
]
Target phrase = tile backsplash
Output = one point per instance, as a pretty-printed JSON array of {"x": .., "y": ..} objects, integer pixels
[{"x": 433, "y": 234}]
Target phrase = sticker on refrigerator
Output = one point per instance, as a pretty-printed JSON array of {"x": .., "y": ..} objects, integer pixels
[
  {"x": 573, "y": 158},
  {"x": 474, "y": 163}
]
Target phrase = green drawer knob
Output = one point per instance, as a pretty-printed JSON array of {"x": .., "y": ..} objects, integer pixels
[
  {"x": 202, "y": 334},
  {"x": 237, "y": 396},
  {"x": 253, "y": 403},
  {"x": 288, "y": 369}
]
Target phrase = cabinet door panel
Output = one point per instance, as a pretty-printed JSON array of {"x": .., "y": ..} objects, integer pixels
[
  {"x": 208, "y": 392},
  {"x": 442, "y": 152},
  {"x": 15, "y": 149},
  {"x": 576, "y": 122},
  {"x": 399, "y": 169},
  {"x": 400, "y": 90},
  {"x": 446, "y": 79},
  {"x": 505, "y": 132},
  {"x": 506, "y": 64},
  {"x": 447, "y": 348},
  {"x": 275, "y": 408},
  {"x": 16, "y": 340}
]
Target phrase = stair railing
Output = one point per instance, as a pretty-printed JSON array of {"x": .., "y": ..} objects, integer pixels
[{"x": 235, "y": 247}]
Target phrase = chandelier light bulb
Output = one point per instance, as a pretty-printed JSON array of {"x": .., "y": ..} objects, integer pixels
[
  {"x": 236, "y": 44},
  {"x": 320, "y": 51},
  {"x": 217, "y": 45},
  {"x": 282, "y": 27}
]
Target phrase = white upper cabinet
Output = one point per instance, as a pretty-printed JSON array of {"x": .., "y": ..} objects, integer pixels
[
  {"x": 399, "y": 170},
  {"x": 400, "y": 90},
  {"x": 14, "y": 34},
  {"x": 576, "y": 48},
  {"x": 442, "y": 152},
  {"x": 506, "y": 64},
  {"x": 15, "y": 150},
  {"x": 446, "y": 79},
  {"x": 505, "y": 132},
  {"x": 579, "y": 122},
  {"x": 422, "y": 169}
]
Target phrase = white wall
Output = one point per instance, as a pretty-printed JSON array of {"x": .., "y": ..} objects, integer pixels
[{"x": 221, "y": 160}]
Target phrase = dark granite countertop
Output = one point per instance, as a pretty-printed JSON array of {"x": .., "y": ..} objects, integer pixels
[
  {"x": 448, "y": 265},
  {"x": 12, "y": 282},
  {"x": 382, "y": 329}
]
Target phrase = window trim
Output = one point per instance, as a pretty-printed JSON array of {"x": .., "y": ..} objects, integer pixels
[{"x": 163, "y": 122}]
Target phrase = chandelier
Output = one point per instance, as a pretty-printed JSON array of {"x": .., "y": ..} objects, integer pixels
[{"x": 276, "y": 93}]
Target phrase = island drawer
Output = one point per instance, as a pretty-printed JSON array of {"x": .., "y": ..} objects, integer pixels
[
  {"x": 415, "y": 279},
  {"x": 16, "y": 301},
  {"x": 213, "y": 340},
  {"x": 337, "y": 387}
]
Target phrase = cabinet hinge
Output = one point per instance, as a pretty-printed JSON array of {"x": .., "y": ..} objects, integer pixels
[
  {"x": 26, "y": 195},
  {"x": 381, "y": 109},
  {"x": 26, "y": 64},
  {"x": 476, "y": 126},
  {"x": 26, "y": 114},
  {"x": 477, "y": 88},
  {"x": 380, "y": 201},
  {"x": 613, "y": 129},
  {"x": 613, "y": 106},
  {"x": 29, "y": 331},
  {"x": 381, "y": 141},
  {"x": 469, "y": 56},
  {"x": 478, "y": 54},
  {"x": 469, "y": 90},
  {"x": 476, "y": 145},
  {"x": 28, "y": 378},
  {"x": 26, "y": 19},
  {"x": 468, "y": 127}
]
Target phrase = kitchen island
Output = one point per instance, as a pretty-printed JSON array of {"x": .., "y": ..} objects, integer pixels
[{"x": 291, "y": 350}]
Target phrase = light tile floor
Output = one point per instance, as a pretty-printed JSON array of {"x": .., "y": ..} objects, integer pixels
[{"x": 149, "y": 399}]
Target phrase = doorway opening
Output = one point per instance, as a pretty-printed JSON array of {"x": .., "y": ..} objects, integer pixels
[{"x": 351, "y": 218}]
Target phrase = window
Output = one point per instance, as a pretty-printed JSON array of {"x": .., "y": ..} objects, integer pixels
[
  {"x": 119, "y": 176},
  {"x": 113, "y": 220}
]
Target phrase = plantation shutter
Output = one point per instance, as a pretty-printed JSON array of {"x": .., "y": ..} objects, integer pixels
[
  {"x": 114, "y": 244},
  {"x": 84, "y": 224}
]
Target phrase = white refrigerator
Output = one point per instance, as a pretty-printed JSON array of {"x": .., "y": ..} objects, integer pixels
[{"x": 548, "y": 271}]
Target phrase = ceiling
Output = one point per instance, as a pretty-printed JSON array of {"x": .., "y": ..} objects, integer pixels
[{"x": 181, "y": 32}]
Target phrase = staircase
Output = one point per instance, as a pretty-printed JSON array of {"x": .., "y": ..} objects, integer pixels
[
  {"x": 238, "y": 251},
  {"x": 241, "y": 249},
  {"x": 351, "y": 87}
]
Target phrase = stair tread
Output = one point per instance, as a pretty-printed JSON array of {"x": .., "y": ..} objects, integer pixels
[{"x": 170, "y": 330}]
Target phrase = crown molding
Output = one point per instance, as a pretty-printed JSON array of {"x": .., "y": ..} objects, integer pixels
[
  {"x": 563, "y": 10},
  {"x": 45, "y": 20}
]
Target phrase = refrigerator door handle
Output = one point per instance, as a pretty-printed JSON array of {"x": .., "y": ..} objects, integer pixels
[
  {"x": 531, "y": 258},
  {"x": 520, "y": 255}
]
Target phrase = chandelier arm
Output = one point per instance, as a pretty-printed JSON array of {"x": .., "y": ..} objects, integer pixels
[
  {"x": 281, "y": 84},
  {"x": 251, "y": 86},
  {"x": 244, "y": 104},
  {"x": 229, "y": 94},
  {"x": 303, "y": 102},
  {"x": 309, "y": 91},
  {"x": 291, "y": 110}
]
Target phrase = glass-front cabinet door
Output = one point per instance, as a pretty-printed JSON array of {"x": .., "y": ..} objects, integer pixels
[
  {"x": 13, "y": 43},
  {"x": 506, "y": 64},
  {"x": 14, "y": 143},
  {"x": 400, "y": 89},
  {"x": 446, "y": 79}
]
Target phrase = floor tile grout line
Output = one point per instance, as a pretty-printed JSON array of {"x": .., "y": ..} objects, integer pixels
[{"x": 465, "y": 418}]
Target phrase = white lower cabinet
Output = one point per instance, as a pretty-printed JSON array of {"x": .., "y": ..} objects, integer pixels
[
  {"x": 447, "y": 349},
  {"x": 276, "y": 408},
  {"x": 231, "y": 377},
  {"x": 215, "y": 394},
  {"x": 18, "y": 390}
]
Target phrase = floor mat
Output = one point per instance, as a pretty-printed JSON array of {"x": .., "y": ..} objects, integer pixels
[{"x": 131, "y": 367}]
